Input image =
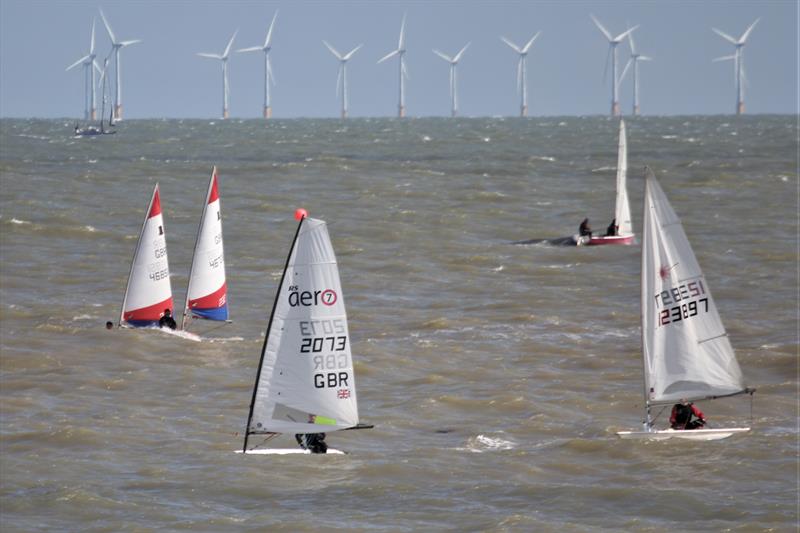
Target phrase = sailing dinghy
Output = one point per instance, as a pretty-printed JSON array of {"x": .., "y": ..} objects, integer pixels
[
  {"x": 305, "y": 381},
  {"x": 148, "y": 291},
  {"x": 206, "y": 295},
  {"x": 622, "y": 210},
  {"x": 686, "y": 350}
]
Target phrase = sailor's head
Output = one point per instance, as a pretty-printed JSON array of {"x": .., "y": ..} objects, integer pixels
[
  {"x": 109, "y": 325},
  {"x": 167, "y": 312},
  {"x": 684, "y": 401}
]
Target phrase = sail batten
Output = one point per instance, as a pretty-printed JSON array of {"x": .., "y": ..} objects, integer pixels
[{"x": 686, "y": 350}]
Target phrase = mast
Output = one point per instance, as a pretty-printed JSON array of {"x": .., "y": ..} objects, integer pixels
[
  {"x": 135, "y": 252},
  {"x": 196, "y": 241},
  {"x": 266, "y": 336},
  {"x": 645, "y": 240}
]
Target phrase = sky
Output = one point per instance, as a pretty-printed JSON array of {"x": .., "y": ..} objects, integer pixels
[{"x": 162, "y": 77}]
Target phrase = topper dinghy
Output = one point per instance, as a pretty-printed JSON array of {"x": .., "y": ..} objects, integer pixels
[
  {"x": 685, "y": 348},
  {"x": 148, "y": 291},
  {"x": 622, "y": 211},
  {"x": 305, "y": 382},
  {"x": 206, "y": 295}
]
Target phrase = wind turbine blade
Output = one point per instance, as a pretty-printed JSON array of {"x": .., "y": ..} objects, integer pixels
[
  {"x": 605, "y": 68},
  {"x": 403, "y": 68},
  {"x": 519, "y": 74},
  {"x": 402, "y": 40},
  {"x": 443, "y": 56},
  {"x": 349, "y": 54},
  {"x": 210, "y": 56},
  {"x": 387, "y": 56},
  {"x": 269, "y": 72},
  {"x": 339, "y": 79},
  {"x": 268, "y": 40},
  {"x": 601, "y": 28},
  {"x": 530, "y": 43},
  {"x": 512, "y": 45},
  {"x": 624, "y": 34},
  {"x": 251, "y": 49},
  {"x": 723, "y": 58},
  {"x": 333, "y": 50},
  {"x": 128, "y": 43},
  {"x": 724, "y": 35},
  {"x": 461, "y": 52},
  {"x": 78, "y": 62},
  {"x": 631, "y": 43},
  {"x": 645, "y": 58},
  {"x": 108, "y": 27},
  {"x": 91, "y": 46},
  {"x": 746, "y": 34},
  {"x": 98, "y": 69},
  {"x": 230, "y": 43},
  {"x": 624, "y": 71}
]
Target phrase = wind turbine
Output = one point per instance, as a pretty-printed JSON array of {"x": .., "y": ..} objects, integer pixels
[
  {"x": 453, "y": 86},
  {"x": 635, "y": 58},
  {"x": 400, "y": 52},
  {"x": 268, "y": 77},
  {"x": 89, "y": 64},
  {"x": 116, "y": 47},
  {"x": 738, "y": 65},
  {"x": 224, "y": 59},
  {"x": 341, "y": 79},
  {"x": 612, "y": 50},
  {"x": 522, "y": 76}
]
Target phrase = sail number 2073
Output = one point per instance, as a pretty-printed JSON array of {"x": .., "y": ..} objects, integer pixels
[{"x": 330, "y": 341}]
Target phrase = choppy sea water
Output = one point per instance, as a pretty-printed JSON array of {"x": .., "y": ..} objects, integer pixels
[{"x": 496, "y": 374}]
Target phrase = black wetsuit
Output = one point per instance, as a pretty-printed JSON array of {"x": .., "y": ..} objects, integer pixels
[
  {"x": 167, "y": 321},
  {"x": 315, "y": 442}
]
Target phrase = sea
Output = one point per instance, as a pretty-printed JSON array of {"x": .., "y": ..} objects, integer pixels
[{"x": 496, "y": 374}]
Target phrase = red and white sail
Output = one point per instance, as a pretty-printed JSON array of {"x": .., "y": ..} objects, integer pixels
[
  {"x": 148, "y": 292},
  {"x": 206, "y": 296}
]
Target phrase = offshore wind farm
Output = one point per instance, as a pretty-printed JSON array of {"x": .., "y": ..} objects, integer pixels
[{"x": 565, "y": 76}]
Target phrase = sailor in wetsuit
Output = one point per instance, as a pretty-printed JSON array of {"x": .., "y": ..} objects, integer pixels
[
  {"x": 612, "y": 228},
  {"x": 314, "y": 442},
  {"x": 585, "y": 230},
  {"x": 681, "y": 417},
  {"x": 166, "y": 321}
]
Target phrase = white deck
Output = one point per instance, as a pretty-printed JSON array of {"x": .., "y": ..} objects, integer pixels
[
  {"x": 288, "y": 451},
  {"x": 688, "y": 434}
]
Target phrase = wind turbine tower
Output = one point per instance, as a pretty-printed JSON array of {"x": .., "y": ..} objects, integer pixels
[
  {"x": 400, "y": 52},
  {"x": 89, "y": 84},
  {"x": 612, "y": 51},
  {"x": 225, "y": 84},
  {"x": 453, "y": 82},
  {"x": 116, "y": 47},
  {"x": 522, "y": 76},
  {"x": 738, "y": 62},
  {"x": 269, "y": 79},
  {"x": 341, "y": 79},
  {"x": 635, "y": 58}
]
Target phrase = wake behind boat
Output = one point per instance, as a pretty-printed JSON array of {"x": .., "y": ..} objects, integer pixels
[
  {"x": 305, "y": 383},
  {"x": 686, "y": 351}
]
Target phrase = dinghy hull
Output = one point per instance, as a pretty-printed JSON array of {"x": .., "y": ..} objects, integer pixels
[
  {"x": 690, "y": 434},
  {"x": 610, "y": 239}
]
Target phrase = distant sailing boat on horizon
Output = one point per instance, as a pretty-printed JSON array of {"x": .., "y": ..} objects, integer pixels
[
  {"x": 206, "y": 293},
  {"x": 305, "y": 382},
  {"x": 686, "y": 351},
  {"x": 148, "y": 292},
  {"x": 622, "y": 210}
]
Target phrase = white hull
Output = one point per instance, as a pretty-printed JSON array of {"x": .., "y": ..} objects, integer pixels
[
  {"x": 689, "y": 434},
  {"x": 288, "y": 451}
]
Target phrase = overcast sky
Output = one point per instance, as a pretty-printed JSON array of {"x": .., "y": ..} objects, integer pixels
[{"x": 163, "y": 76}]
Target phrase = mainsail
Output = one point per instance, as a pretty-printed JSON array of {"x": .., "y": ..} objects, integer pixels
[
  {"x": 687, "y": 353},
  {"x": 206, "y": 296},
  {"x": 305, "y": 381},
  {"x": 622, "y": 212},
  {"x": 149, "y": 291}
]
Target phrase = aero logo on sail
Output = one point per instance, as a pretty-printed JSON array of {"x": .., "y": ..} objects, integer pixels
[{"x": 308, "y": 298}]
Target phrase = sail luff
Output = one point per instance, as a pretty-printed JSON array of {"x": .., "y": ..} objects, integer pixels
[
  {"x": 646, "y": 237},
  {"x": 266, "y": 335},
  {"x": 194, "y": 251},
  {"x": 135, "y": 253}
]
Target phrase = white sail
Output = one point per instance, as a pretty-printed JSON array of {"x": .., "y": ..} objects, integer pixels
[
  {"x": 687, "y": 353},
  {"x": 206, "y": 295},
  {"x": 148, "y": 291},
  {"x": 622, "y": 211},
  {"x": 306, "y": 382}
]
